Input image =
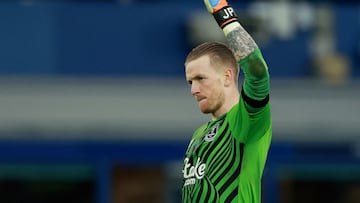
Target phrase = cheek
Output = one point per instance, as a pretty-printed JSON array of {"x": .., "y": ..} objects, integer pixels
[
  {"x": 212, "y": 89},
  {"x": 219, "y": 95},
  {"x": 216, "y": 89},
  {"x": 215, "y": 95}
]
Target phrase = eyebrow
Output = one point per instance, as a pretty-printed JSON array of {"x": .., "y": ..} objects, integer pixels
[{"x": 197, "y": 76}]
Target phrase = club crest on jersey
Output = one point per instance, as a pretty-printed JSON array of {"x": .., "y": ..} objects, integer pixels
[{"x": 210, "y": 136}]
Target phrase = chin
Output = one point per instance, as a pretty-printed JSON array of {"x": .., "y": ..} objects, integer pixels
[
  {"x": 205, "y": 110},
  {"x": 208, "y": 109}
]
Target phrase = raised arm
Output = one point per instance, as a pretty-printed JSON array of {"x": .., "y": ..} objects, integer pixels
[{"x": 246, "y": 52}]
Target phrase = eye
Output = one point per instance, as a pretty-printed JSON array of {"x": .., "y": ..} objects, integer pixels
[
  {"x": 189, "y": 82},
  {"x": 199, "y": 78}
]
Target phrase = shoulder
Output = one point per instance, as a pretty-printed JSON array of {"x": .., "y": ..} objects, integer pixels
[{"x": 199, "y": 130}]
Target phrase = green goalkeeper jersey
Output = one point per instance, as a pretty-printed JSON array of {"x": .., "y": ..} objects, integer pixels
[{"x": 225, "y": 159}]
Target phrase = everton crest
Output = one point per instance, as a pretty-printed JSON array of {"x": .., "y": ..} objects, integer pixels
[{"x": 210, "y": 136}]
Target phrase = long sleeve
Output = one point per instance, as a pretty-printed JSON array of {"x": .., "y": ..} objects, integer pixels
[{"x": 256, "y": 80}]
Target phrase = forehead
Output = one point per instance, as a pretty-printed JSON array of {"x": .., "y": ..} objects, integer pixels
[{"x": 198, "y": 66}]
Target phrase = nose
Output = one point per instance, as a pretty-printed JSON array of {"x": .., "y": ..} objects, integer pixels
[{"x": 194, "y": 89}]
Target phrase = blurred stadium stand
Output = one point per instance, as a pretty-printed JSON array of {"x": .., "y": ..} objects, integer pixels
[{"x": 92, "y": 95}]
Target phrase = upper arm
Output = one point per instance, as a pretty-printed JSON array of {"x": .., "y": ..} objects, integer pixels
[{"x": 249, "y": 126}]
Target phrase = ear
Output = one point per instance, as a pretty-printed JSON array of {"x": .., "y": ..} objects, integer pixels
[{"x": 228, "y": 77}]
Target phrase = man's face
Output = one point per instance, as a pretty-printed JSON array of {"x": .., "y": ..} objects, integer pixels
[{"x": 206, "y": 84}]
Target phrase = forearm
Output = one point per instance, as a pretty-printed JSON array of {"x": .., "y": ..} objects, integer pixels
[
  {"x": 250, "y": 59},
  {"x": 239, "y": 40},
  {"x": 248, "y": 55}
]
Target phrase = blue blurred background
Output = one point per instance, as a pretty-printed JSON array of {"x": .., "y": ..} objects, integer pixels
[{"x": 95, "y": 107}]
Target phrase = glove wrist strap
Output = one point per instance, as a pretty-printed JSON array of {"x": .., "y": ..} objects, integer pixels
[{"x": 225, "y": 15}]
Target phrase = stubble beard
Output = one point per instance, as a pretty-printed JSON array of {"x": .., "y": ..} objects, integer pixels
[{"x": 211, "y": 109}]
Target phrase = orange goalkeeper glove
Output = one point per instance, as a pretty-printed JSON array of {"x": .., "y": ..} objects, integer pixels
[{"x": 222, "y": 12}]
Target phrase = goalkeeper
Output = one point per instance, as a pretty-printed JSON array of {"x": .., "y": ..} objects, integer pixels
[{"x": 226, "y": 156}]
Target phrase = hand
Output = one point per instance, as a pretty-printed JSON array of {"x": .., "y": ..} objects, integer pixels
[
  {"x": 223, "y": 13},
  {"x": 215, "y": 5}
]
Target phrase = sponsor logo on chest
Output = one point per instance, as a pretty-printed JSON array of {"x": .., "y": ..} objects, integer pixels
[{"x": 192, "y": 172}]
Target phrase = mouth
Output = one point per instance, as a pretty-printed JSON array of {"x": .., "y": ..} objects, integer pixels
[{"x": 199, "y": 99}]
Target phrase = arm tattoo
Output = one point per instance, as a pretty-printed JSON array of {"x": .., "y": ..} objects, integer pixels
[{"x": 240, "y": 42}]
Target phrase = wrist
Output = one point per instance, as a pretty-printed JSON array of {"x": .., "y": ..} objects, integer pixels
[
  {"x": 225, "y": 16},
  {"x": 230, "y": 27}
]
